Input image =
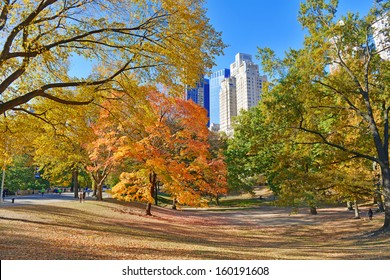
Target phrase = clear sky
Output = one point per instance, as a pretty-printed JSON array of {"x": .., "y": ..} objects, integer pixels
[{"x": 248, "y": 24}]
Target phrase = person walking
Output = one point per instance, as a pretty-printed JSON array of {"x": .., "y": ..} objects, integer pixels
[
  {"x": 370, "y": 214},
  {"x": 81, "y": 195}
]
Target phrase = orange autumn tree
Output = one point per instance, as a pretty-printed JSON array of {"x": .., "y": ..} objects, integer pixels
[
  {"x": 118, "y": 123},
  {"x": 174, "y": 153},
  {"x": 101, "y": 151}
]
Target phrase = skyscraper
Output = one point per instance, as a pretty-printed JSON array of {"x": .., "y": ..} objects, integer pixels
[
  {"x": 228, "y": 104},
  {"x": 248, "y": 81},
  {"x": 241, "y": 91},
  {"x": 215, "y": 88},
  {"x": 200, "y": 95},
  {"x": 381, "y": 36}
]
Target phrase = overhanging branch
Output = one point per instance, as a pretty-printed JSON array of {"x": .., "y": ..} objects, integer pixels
[{"x": 337, "y": 146}]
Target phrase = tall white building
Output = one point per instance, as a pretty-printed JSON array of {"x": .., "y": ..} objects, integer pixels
[
  {"x": 248, "y": 81},
  {"x": 382, "y": 37},
  {"x": 215, "y": 87},
  {"x": 227, "y": 104},
  {"x": 247, "y": 84}
]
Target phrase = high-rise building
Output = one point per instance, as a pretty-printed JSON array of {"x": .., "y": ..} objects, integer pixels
[
  {"x": 200, "y": 95},
  {"x": 381, "y": 36},
  {"x": 227, "y": 104},
  {"x": 241, "y": 91},
  {"x": 248, "y": 81},
  {"x": 215, "y": 87}
]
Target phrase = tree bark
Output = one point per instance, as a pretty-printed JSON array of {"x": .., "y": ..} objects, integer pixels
[
  {"x": 94, "y": 188},
  {"x": 75, "y": 175},
  {"x": 153, "y": 183},
  {"x": 313, "y": 210},
  {"x": 156, "y": 195},
  {"x": 174, "y": 204},
  {"x": 357, "y": 213},
  {"x": 148, "y": 209},
  {"x": 378, "y": 200},
  {"x": 386, "y": 194},
  {"x": 99, "y": 191}
]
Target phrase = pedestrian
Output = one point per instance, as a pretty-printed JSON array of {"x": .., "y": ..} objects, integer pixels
[
  {"x": 42, "y": 191},
  {"x": 370, "y": 213},
  {"x": 81, "y": 195}
]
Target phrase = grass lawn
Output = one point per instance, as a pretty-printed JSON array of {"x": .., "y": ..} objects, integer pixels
[{"x": 113, "y": 230}]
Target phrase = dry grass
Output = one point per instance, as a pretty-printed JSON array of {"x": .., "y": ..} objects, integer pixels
[{"x": 111, "y": 230}]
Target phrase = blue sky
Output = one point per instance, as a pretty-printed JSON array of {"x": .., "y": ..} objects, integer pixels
[{"x": 248, "y": 24}]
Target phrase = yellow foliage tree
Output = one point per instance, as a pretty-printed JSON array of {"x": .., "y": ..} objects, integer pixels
[{"x": 159, "y": 40}]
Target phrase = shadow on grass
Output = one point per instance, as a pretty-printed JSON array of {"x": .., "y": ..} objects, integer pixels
[{"x": 118, "y": 230}]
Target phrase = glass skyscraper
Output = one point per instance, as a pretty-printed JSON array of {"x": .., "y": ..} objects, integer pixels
[
  {"x": 201, "y": 95},
  {"x": 215, "y": 87}
]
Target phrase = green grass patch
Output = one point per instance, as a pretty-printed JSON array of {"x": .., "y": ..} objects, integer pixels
[
  {"x": 164, "y": 200},
  {"x": 244, "y": 202}
]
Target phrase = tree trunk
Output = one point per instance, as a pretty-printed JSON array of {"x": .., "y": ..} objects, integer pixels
[
  {"x": 313, "y": 210},
  {"x": 99, "y": 191},
  {"x": 153, "y": 182},
  {"x": 149, "y": 204},
  {"x": 386, "y": 194},
  {"x": 2, "y": 185},
  {"x": 156, "y": 195},
  {"x": 357, "y": 213},
  {"x": 94, "y": 188},
  {"x": 174, "y": 204},
  {"x": 75, "y": 175},
  {"x": 378, "y": 196}
]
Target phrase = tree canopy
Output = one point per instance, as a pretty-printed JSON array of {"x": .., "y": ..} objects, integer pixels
[
  {"x": 165, "y": 41},
  {"x": 333, "y": 93},
  {"x": 172, "y": 151}
]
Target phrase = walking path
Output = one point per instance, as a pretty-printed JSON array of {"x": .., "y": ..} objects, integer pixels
[
  {"x": 264, "y": 215},
  {"x": 47, "y": 198}
]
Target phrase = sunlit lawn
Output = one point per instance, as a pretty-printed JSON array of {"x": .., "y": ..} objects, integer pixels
[{"x": 110, "y": 230}]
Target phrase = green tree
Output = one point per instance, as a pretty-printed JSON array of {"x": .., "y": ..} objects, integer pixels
[
  {"x": 20, "y": 175},
  {"x": 247, "y": 156},
  {"x": 14, "y": 141},
  {"x": 347, "y": 109}
]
